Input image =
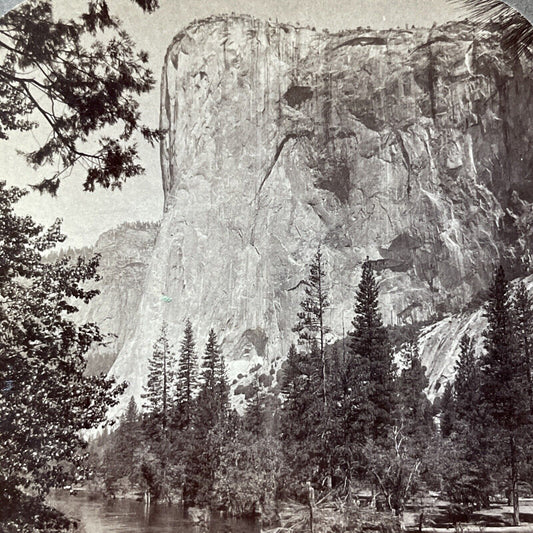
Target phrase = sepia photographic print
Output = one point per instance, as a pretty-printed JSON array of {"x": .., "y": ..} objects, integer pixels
[{"x": 266, "y": 266}]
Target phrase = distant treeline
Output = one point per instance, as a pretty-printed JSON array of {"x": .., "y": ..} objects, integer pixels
[{"x": 89, "y": 251}]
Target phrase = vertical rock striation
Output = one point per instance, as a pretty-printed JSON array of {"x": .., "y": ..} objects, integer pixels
[
  {"x": 409, "y": 147},
  {"x": 125, "y": 254}
]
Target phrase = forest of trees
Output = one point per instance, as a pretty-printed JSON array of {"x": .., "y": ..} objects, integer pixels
[{"x": 344, "y": 418}]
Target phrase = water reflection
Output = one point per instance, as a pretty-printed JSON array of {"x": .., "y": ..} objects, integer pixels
[{"x": 114, "y": 516}]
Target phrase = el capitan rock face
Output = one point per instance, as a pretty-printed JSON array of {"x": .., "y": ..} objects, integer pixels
[{"x": 411, "y": 147}]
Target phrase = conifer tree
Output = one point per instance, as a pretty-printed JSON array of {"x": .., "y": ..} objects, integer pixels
[
  {"x": 255, "y": 416},
  {"x": 448, "y": 415},
  {"x": 504, "y": 383},
  {"x": 302, "y": 402},
  {"x": 131, "y": 416},
  {"x": 158, "y": 389},
  {"x": 467, "y": 383},
  {"x": 299, "y": 390},
  {"x": 396, "y": 461},
  {"x": 222, "y": 385},
  {"x": 522, "y": 315},
  {"x": 120, "y": 458},
  {"x": 210, "y": 424},
  {"x": 369, "y": 346},
  {"x": 414, "y": 410},
  {"x": 467, "y": 463},
  {"x": 311, "y": 327},
  {"x": 346, "y": 419},
  {"x": 213, "y": 397},
  {"x": 186, "y": 376}
]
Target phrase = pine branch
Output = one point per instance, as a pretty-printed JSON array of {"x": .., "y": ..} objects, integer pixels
[{"x": 517, "y": 30}]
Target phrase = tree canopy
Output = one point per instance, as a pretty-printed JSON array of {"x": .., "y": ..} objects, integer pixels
[
  {"x": 45, "y": 397},
  {"x": 78, "y": 79}
]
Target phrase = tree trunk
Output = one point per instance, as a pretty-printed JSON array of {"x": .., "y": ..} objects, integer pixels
[
  {"x": 514, "y": 484},
  {"x": 311, "y": 502}
]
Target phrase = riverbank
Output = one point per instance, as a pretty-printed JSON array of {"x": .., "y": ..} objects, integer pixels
[{"x": 120, "y": 515}]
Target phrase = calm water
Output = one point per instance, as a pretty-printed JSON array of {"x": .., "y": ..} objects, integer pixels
[{"x": 113, "y": 516}]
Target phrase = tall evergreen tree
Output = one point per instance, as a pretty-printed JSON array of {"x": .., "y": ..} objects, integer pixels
[
  {"x": 301, "y": 388},
  {"x": 120, "y": 459},
  {"x": 467, "y": 383},
  {"x": 210, "y": 424},
  {"x": 447, "y": 411},
  {"x": 346, "y": 421},
  {"x": 467, "y": 464},
  {"x": 222, "y": 384},
  {"x": 311, "y": 327},
  {"x": 186, "y": 376},
  {"x": 213, "y": 397},
  {"x": 372, "y": 357},
  {"x": 396, "y": 461},
  {"x": 158, "y": 389},
  {"x": 504, "y": 383},
  {"x": 255, "y": 416},
  {"x": 131, "y": 416},
  {"x": 414, "y": 410},
  {"x": 522, "y": 315}
]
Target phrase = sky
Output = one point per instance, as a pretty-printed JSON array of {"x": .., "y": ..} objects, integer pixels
[{"x": 86, "y": 215}]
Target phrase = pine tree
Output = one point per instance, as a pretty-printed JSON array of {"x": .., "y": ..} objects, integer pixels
[
  {"x": 186, "y": 376},
  {"x": 158, "y": 389},
  {"x": 131, "y": 416},
  {"x": 211, "y": 423},
  {"x": 299, "y": 392},
  {"x": 212, "y": 403},
  {"x": 222, "y": 384},
  {"x": 467, "y": 383},
  {"x": 396, "y": 461},
  {"x": 255, "y": 416},
  {"x": 311, "y": 326},
  {"x": 504, "y": 383},
  {"x": 372, "y": 357},
  {"x": 448, "y": 413},
  {"x": 467, "y": 461},
  {"x": 213, "y": 397},
  {"x": 120, "y": 458},
  {"x": 346, "y": 421},
  {"x": 414, "y": 410},
  {"x": 303, "y": 446},
  {"x": 522, "y": 316}
]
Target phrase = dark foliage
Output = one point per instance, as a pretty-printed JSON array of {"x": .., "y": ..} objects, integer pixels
[
  {"x": 79, "y": 79},
  {"x": 372, "y": 357},
  {"x": 517, "y": 30},
  {"x": 45, "y": 397}
]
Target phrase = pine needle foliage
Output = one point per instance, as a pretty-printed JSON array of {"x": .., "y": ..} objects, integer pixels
[
  {"x": 158, "y": 389},
  {"x": 186, "y": 379},
  {"x": 517, "y": 31},
  {"x": 79, "y": 80},
  {"x": 371, "y": 357},
  {"x": 311, "y": 326}
]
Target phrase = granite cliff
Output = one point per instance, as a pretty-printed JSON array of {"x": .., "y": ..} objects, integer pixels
[
  {"x": 409, "y": 147},
  {"x": 125, "y": 254}
]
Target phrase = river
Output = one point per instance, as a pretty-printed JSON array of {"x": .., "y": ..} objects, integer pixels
[{"x": 128, "y": 516}]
